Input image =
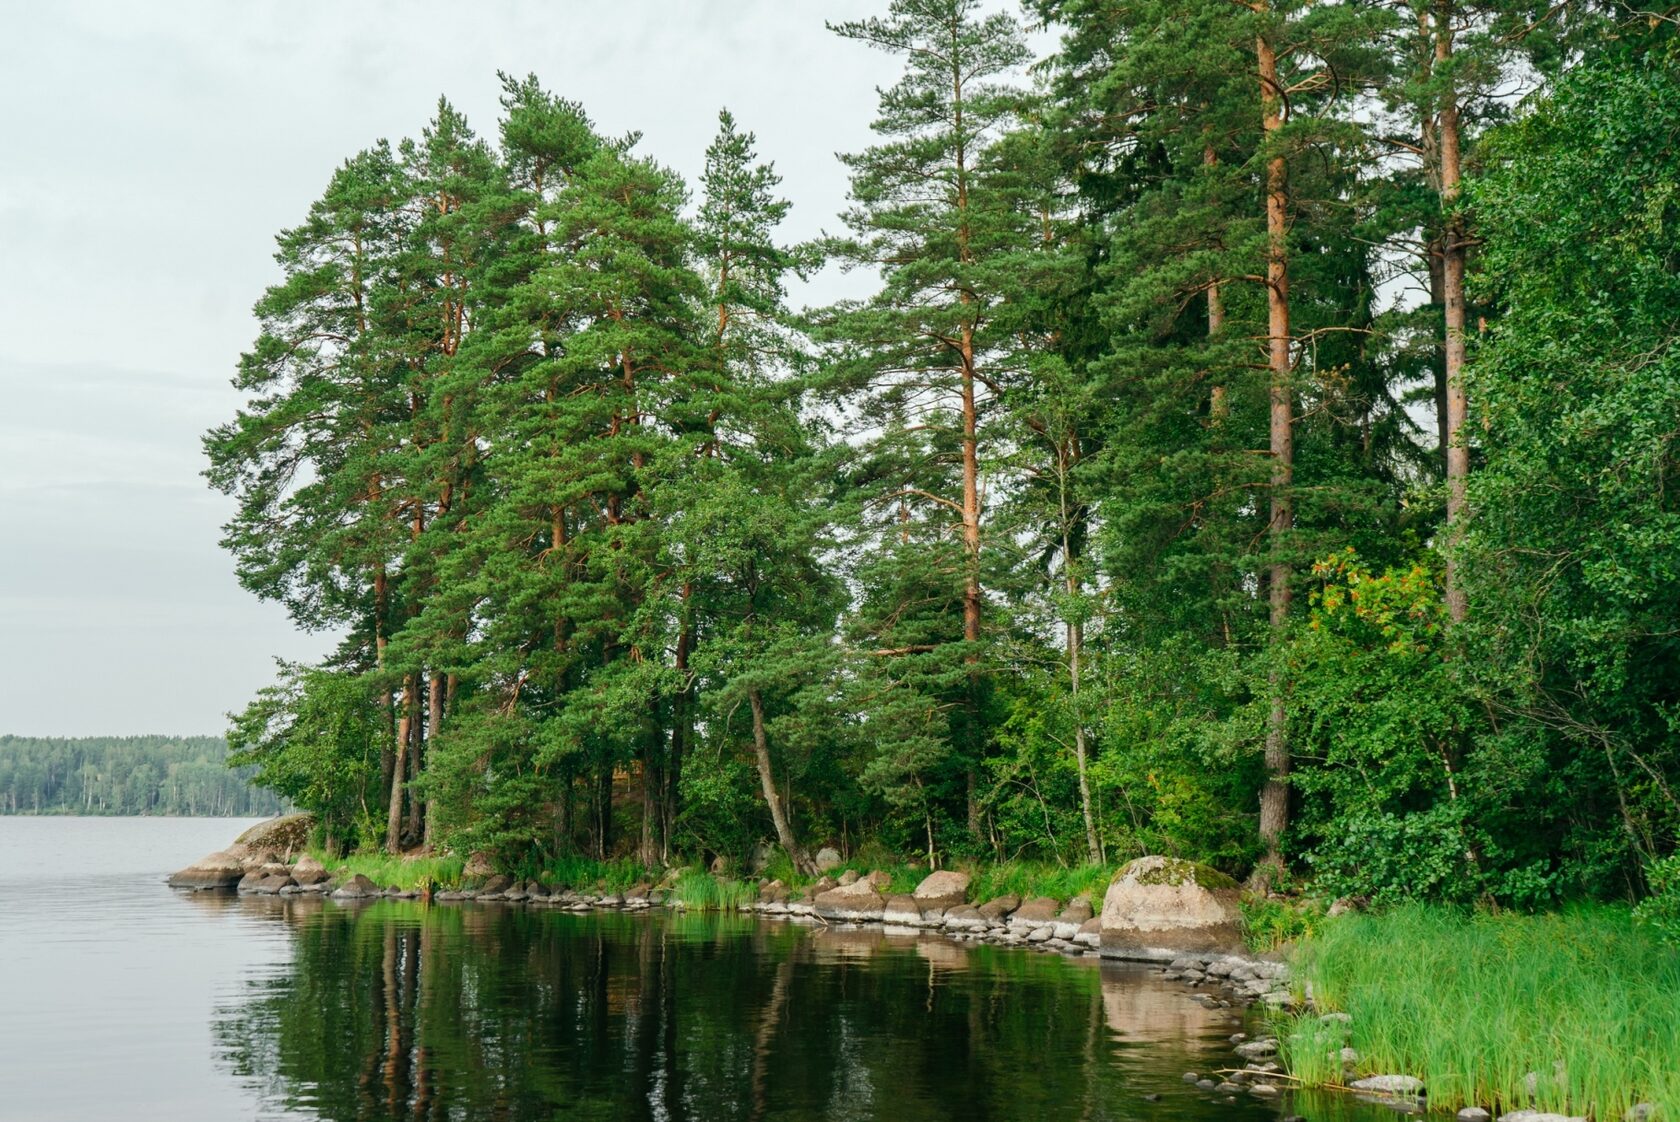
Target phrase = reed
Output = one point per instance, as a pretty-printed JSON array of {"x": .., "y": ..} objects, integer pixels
[{"x": 1576, "y": 1012}]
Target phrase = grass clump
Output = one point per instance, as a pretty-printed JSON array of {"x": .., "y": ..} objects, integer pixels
[
  {"x": 703, "y": 892},
  {"x": 392, "y": 871},
  {"x": 576, "y": 871},
  {"x": 1027, "y": 879},
  {"x": 1573, "y": 1013},
  {"x": 1269, "y": 925}
]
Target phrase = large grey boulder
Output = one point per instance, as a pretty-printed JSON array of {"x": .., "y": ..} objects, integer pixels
[
  {"x": 214, "y": 870},
  {"x": 1159, "y": 908},
  {"x": 827, "y": 859},
  {"x": 944, "y": 889},
  {"x": 285, "y": 836},
  {"x": 858, "y": 902}
]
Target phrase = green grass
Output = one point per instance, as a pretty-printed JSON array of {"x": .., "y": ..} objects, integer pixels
[
  {"x": 577, "y": 872},
  {"x": 703, "y": 892},
  {"x": 1027, "y": 879},
  {"x": 1270, "y": 925},
  {"x": 406, "y": 873},
  {"x": 1472, "y": 1003}
]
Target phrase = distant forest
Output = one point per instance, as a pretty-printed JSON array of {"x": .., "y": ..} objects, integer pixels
[{"x": 179, "y": 775}]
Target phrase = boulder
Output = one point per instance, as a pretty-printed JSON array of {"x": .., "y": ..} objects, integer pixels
[
  {"x": 902, "y": 910},
  {"x": 1078, "y": 910},
  {"x": 1159, "y": 908},
  {"x": 309, "y": 871},
  {"x": 215, "y": 870},
  {"x": 1036, "y": 912},
  {"x": 827, "y": 859},
  {"x": 824, "y": 884},
  {"x": 286, "y": 836},
  {"x": 849, "y": 877},
  {"x": 1089, "y": 934},
  {"x": 944, "y": 889},
  {"x": 852, "y": 903},
  {"x": 357, "y": 887},
  {"x": 720, "y": 866},
  {"x": 965, "y": 917},
  {"x": 995, "y": 909},
  {"x": 479, "y": 866},
  {"x": 496, "y": 885},
  {"x": 1474, "y": 1114},
  {"x": 1539, "y": 1116},
  {"x": 881, "y": 881}
]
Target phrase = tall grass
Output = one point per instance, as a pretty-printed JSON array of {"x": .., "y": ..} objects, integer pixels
[
  {"x": 1027, "y": 879},
  {"x": 574, "y": 871},
  {"x": 408, "y": 873},
  {"x": 1586, "y": 1000},
  {"x": 703, "y": 892}
]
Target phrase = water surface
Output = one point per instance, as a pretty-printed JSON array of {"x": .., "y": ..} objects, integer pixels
[{"x": 122, "y": 998}]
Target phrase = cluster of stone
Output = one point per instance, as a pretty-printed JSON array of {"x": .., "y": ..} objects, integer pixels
[{"x": 939, "y": 903}]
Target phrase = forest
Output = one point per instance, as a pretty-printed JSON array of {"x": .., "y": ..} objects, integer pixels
[
  {"x": 1254, "y": 446},
  {"x": 127, "y": 775}
]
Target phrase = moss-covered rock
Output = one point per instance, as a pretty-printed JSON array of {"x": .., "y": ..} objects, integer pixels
[{"x": 1162, "y": 907}]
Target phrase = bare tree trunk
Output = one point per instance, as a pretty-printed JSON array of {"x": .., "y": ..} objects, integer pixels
[
  {"x": 1274, "y": 796},
  {"x": 1219, "y": 405},
  {"x": 1452, "y": 269},
  {"x": 772, "y": 797},
  {"x": 434, "y": 722}
]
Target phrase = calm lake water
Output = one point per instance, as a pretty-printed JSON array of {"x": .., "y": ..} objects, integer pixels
[{"x": 121, "y": 998}]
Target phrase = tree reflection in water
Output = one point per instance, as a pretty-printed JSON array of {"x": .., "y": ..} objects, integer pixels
[{"x": 394, "y": 1010}]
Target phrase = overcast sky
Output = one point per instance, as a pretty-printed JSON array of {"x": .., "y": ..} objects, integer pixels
[{"x": 148, "y": 155}]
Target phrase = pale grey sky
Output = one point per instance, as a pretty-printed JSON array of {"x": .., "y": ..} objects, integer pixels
[{"x": 148, "y": 155}]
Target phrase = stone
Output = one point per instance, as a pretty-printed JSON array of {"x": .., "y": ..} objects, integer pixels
[
  {"x": 824, "y": 884},
  {"x": 357, "y": 887},
  {"x": 964, "y": 917},
  {"x": 849, "y": 877},
  {"x": 827, "y": 859},
  {"x": 478, "y": 865},
  {"x": 214, "y": 870},
  {"x": 1206, "y": 1084},
  {"x": 1160, "y": 907},
  {"x": 495, "y": 886},
  {"x": 1345, "y": 904},
  {"x": 720, "y": 866},
  {"x": 1257, "y": 1049},
  {"x": 882, "y": 881},
  {"x": 1041, "y": 934},
  {"x": 1539, "y": 1116},
  {"x": 1264, "y": 1090},
  {"x": 1390, "y": 1085},
  {"x": 1336, "y": 1018},
  {"x": 1038, "y": 910},
  {"x": 1474, "y": 1114},
  {"x": 1349, "y": 1057},
  {"x": 996, "y": 909},
  {"x": 857, "y": 902},
  {"x": 763, "y": 853},
  {"x": 1191, "y": 1077},
  {"x": 309, "y": 871},
  {"x": 1078, "y": 910},
  {"x": 902, "y": 910},
  {"x": 285, "y": 836},
  {"x": 1638, "y": 1112},
  {"x": 944, "y": 889}
]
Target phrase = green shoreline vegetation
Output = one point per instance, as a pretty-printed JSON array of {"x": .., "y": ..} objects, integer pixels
[{"x": 1254, "y": 445}]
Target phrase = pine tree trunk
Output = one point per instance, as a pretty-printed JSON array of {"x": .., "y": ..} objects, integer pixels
[
  {"x": 971, "y": 566},
  {"x": 399, "y": 772},
  {"x": 434, "y": 723},
  {"x": 1274, "y": 796},
  {"x": 1452, "y": 268},
  {"x": 772, "y": 797}
]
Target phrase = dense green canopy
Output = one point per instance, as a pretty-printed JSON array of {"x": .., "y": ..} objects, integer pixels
[{"x": 1257, "y": 445}]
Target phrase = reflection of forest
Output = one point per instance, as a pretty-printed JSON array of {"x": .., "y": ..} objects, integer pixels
[{"x": 397, "y": 1011}]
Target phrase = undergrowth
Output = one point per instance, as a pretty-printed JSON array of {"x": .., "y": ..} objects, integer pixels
[{"x": 1575, "y": 1013}]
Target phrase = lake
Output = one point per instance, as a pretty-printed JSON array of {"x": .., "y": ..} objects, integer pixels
[{"x": 122, "y": 998}]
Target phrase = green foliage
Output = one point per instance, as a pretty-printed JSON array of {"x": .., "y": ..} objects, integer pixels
[
  {"x": 1026, "y": 879},
  {"x": 1269, "y": 925},
  {"x": 1472, "y": 1003},
  {"x": 188, "y": 775},
  {"x": 1661, "y": 909}
]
